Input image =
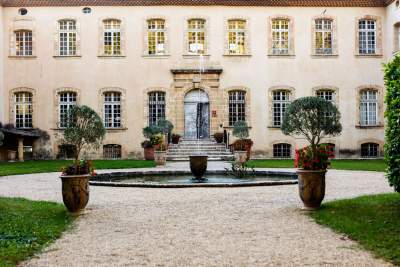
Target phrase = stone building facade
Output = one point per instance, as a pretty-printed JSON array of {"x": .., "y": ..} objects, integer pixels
[{"x": 135, "y": 62}]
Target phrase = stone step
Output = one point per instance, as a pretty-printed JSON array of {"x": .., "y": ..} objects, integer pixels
[
  {"x": 202, "y": 149},
  {"x": 188, "y": 153},
  {"x": 212, "y": 158}
]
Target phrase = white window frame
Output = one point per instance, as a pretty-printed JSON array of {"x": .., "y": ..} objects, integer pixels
[
  {"x": 369, "y": 108},
  {"x": 278, "y": 38},
  {"x": 196, "y": 46},
  {"x": 23, "y": 43},
  {"x": 370, "y": 149},
  {"x": 156, "y": 30},
  {"x": 324, "y": 27},
  {"x": 112, "y": 34},
  {"x": 67, "y": 37},
  {"x": 66, "y": 100},
  {"x": 281, "y": 149},
  {"x": 327, "y": 94},
  {"x": 112, "y": 151},
  {"x": 279, "y": 105},
  {"x": 112, "y": 110},
  {"x": 156, "y": 107},
  {"x": 239, "y": 35},
  {"x": 23, "y": 107},
  {"x": 365, "y": 45},
  {"x": 236, "y": 106}
]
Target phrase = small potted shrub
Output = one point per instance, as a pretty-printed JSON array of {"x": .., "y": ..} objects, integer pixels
[
  {"x": 85, "y": 129},
  {"x": 160, "y": 153},
  {"x": 313, "y": 118},
  {"x": 240, "y": 131},
  {"x": 148, "y": 145},
  {"x": 244, "y": 144},
  {"x": 175, "y": 138},
  {"x": 219, "y": 137}
]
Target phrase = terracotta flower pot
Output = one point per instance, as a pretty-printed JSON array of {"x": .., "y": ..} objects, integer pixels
[
  {"x": 311, "y": 188},
  {"x": 149, "y": 153},
  {"x": 198, "y": 166},
  {"x": 160, "y": 157},
  {"x": 75, "y": 191},
  {"x": 240, "y": 156}
]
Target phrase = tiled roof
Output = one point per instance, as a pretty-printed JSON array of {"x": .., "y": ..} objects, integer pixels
[{"x": 320, "y": 3}]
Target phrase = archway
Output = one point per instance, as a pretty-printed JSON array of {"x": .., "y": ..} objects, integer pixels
[{"x": 197, "y": 115}]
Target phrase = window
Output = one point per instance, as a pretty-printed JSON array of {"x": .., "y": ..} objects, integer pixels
[
  {"x": 67, "y": 37},
  {"x": 23, "y": 43},
  {"x": 112, "y": 37},
  {"x": 280, "y": 36},
  {"x": 112, "y": 110},
  {"x": 22, "y": 11},
  {"x": 196, "y": 36},
  {"x": 87, "y": 10},
  {"x": 66, "y": 151},
  {"x": 156, "y": 36},
  {"x": 156, "y": 107},
  {"x": 23, "y": 110},
  {"x": 66, "y": 101},
  {"x": 367, "y": 36},
  {"x": 369, "y": 108},
  {"x": 280, "y": 100},
  {"x": 112, "y": 151},
  {"x": 237, "y": 107},
  {"x": 236, "y": 37},
  {"x": 328, "y": 95},
  {"x": 369, "y": 150},
  {"x": 397, "y": 37},
  {"x": 323, "y": 36},
  {"x": 282, "y": 150}
]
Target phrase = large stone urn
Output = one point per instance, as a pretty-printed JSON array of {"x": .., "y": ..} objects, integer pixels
[
  {"x": 311, "y": 188},
  {"x": 198, "y": 166},
  {"x": 160, "y": 157},
  {"x": 240, "y": 157},
  {"x": 75, "y": 192}
]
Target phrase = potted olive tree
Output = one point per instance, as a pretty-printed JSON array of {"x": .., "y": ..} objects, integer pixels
[
  {"x": 85, "y": 130},
  {"x": 241, "y": 131},
  {"x": 312, "y": 118}
]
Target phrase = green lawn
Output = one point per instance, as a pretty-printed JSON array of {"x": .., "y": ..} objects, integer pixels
[
  {"x": 372, "y": 221},
  {"x": 26, "y": 227},
  {"x": 339, "y": 164},
  {"x": 39, "y": 166}
]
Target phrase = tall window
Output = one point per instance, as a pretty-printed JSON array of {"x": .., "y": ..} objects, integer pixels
[
  {"x": 23, "y": 110},
  {"x": 23, "y": 43},
  {"x": 67, "y": 37},
  {"x": 397, "y": 37},
  {"x": 328, "y": 95},
  {"x": 282, "y": 150},
  {"x": 66, "y": 101},
  {"x": 196, "y": 36},
  {"x": 156, "y": 107},
  {"x": 236, "y": 37},
  {"x": 323, "y": 36},
  {"x": 156, "y": 36},
  {"x": 237, "y": 107},
  {"x": 112, "y": 151},
  {"x": 280, "y": 101},
  {"x": 369, "y": 108},
  {"x": 112, "y": 37},
  {"x": 369, "y": 150},
  {"x": 367, "y": 36},
  {"x": 112, "y": 110},
  {"x": 280, "y": 36}
]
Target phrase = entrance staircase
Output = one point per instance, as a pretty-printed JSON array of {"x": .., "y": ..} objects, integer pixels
[{"x": 185, "y": 148}]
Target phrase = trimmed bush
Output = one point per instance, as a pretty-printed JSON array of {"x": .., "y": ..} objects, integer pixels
[{"x": 392, "y": 114}]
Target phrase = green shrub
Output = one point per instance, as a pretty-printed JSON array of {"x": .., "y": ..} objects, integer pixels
[{"x": 392, "y": 114}]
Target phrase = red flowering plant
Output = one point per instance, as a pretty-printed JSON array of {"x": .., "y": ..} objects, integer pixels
[
  {"x": 314, "y": 159},
  {"x": 80, "y": 167}
]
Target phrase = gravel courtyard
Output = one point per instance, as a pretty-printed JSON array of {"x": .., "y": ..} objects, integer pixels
[{"x": 254, "y": 226}]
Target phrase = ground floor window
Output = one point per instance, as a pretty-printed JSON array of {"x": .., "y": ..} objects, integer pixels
[
  {"x": 282, "y": 150},
  {"x": 66, "y": 151},
  {"x": 156, "y": 107},
  {"x": 112, "y": 151},
  {"x": 369, "y": 150}
]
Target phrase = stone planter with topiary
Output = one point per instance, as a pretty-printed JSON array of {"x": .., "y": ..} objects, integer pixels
[{"x": 241, "y": 131}]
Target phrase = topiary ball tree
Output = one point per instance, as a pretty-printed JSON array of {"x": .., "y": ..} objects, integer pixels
[
  {"x": 392, "y": 114},
  {"x": 313, "y": 118},
  {"x": 241, "y": 131},
  {"x": 85, "y": 129}
]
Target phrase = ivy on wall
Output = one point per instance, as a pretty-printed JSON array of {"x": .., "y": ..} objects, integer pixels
[{"x": 392, "y": 114}]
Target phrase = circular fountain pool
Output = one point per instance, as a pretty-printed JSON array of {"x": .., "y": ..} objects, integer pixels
[{"x": 178, "y": 179}]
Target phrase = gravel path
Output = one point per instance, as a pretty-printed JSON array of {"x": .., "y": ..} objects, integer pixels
[{"x": 258, "y": 226}]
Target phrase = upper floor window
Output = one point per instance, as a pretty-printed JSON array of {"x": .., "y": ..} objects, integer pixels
[
  {"x": 280, "y": 36},
  {"x": 328, "y": 95},
  {"x": 66, "y": 101},
  {"x": 237, "y": 107},
  {"x": 112, "y": 110},
  {"x": 280, "y": 101},
  {"x": 369, "y": 150},
  {"x": 397, "y": 37},
  {"x": 237, "y": 37},
  {"x": 23, "y": 109},
  {"x": 196, "y": 36},
  {"x": 368, "y": 108},
  {"x": 112, "y": 37},
  {"x": 323, "y": 36},
  {"x": 156, "y": 107},
  {"x": 367, "y": 29},
  {"x": 282, "y": 150},
  {"x": 23, "y": 43},
  {"x": 112, "y": 151},
  {"x": 67, "y": 37},
  {"x": 156, "y": 36}
]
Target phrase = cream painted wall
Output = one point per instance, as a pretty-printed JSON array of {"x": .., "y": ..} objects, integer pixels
[
  {"x": 135, "y": 73},
  {"x": 392, "y": 17},
  {"x": 2, "y": 57}
]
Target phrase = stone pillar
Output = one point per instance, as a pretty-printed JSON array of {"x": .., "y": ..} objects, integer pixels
[{"x": 21, "y": 149}]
